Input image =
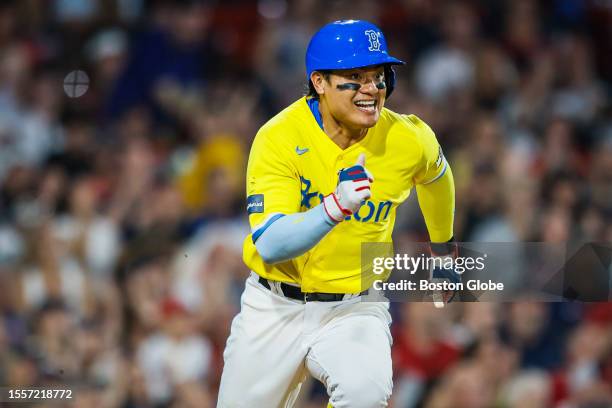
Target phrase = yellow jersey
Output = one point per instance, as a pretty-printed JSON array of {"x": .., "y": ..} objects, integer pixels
[{"x": 293, "y": 164}]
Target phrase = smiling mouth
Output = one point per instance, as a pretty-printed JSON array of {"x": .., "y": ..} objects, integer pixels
[{"x": 366, "y": 106}]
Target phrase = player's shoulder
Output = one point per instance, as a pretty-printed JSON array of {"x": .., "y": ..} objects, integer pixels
[
  {"x": 409, "y": 127},
  {"x": 410, "y": 122},
  {"x": 284, "y": 127},
  {"x": 418, "y": 123}
]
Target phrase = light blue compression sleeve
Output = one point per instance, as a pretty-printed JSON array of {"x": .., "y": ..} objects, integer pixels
[{"x": 286, "y": 237}]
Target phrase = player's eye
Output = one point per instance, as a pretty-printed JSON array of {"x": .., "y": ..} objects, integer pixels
[{"x": 355, "y": 76}]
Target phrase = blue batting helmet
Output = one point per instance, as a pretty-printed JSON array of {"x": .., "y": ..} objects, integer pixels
[{"x": 347, "y": 44}]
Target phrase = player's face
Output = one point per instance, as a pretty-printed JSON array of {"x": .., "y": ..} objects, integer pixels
[{"x": 356, "y": 96}]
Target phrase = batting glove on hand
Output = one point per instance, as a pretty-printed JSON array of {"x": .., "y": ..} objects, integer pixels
[
  {"x": 443, "y": 270},
  {"x": 352, "y": 190}
]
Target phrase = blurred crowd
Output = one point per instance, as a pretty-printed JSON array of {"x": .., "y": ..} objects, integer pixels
[{"x": 122, "y": 211}]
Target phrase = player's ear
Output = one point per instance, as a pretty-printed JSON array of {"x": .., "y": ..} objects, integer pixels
[{"x": 318, "y": 82}]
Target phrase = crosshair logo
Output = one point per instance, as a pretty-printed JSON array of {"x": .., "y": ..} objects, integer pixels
[
  {"x": 76, "y": 83},
  {"x": 374, "y": 39}
]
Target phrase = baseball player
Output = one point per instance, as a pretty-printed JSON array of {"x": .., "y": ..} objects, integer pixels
[{"x": 324, "y": 175}]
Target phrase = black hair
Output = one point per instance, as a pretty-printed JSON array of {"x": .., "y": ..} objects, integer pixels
[{"x": 311, "y": 92}]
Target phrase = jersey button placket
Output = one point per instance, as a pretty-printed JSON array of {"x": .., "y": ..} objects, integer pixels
[{"x": 339, "y": 159}]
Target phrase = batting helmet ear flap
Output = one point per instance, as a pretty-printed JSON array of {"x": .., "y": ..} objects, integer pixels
[{"x": 389, "y": 79}]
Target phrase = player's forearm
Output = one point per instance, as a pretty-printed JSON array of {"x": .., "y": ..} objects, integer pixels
[
  {"x": 292, "y": 235},
  {"x": 437, "y": 202}
]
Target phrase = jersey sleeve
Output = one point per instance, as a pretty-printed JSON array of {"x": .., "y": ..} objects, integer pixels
[
  {"x": 433, "y": 164},
  {"x": 437, "y": 202},
  {"x": 434, "y": 185},
  {"x": 273, "y": 183}
]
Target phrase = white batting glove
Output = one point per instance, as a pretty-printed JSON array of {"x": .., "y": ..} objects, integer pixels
[{"x": 352, "y": 190}]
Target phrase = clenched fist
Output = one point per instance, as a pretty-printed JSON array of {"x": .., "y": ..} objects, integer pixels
[{"x": 352, "y": 190}]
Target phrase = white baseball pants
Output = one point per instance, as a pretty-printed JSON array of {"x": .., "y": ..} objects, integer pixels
[{"x": 276, "y": 341}]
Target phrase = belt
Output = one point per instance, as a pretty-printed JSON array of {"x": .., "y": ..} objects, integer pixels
[{"x": 294, "y": 292}]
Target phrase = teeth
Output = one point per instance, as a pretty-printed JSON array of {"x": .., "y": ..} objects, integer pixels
[{"x": 367, "y": 106}]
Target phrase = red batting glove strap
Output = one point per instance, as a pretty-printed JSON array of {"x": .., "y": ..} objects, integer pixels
[{"x": 333, "y": 208}]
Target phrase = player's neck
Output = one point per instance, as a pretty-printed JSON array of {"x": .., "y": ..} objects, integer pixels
[{"x": 338, "y": 132}]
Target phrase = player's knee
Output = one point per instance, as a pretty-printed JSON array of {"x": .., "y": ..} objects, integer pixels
[{"x": 361, "y": 394}]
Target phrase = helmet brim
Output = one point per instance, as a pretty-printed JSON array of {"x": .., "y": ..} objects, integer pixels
[{"x": 357, "y": 62}]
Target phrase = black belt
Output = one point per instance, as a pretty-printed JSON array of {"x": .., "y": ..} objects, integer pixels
[{"x": 294, "y": 292}]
